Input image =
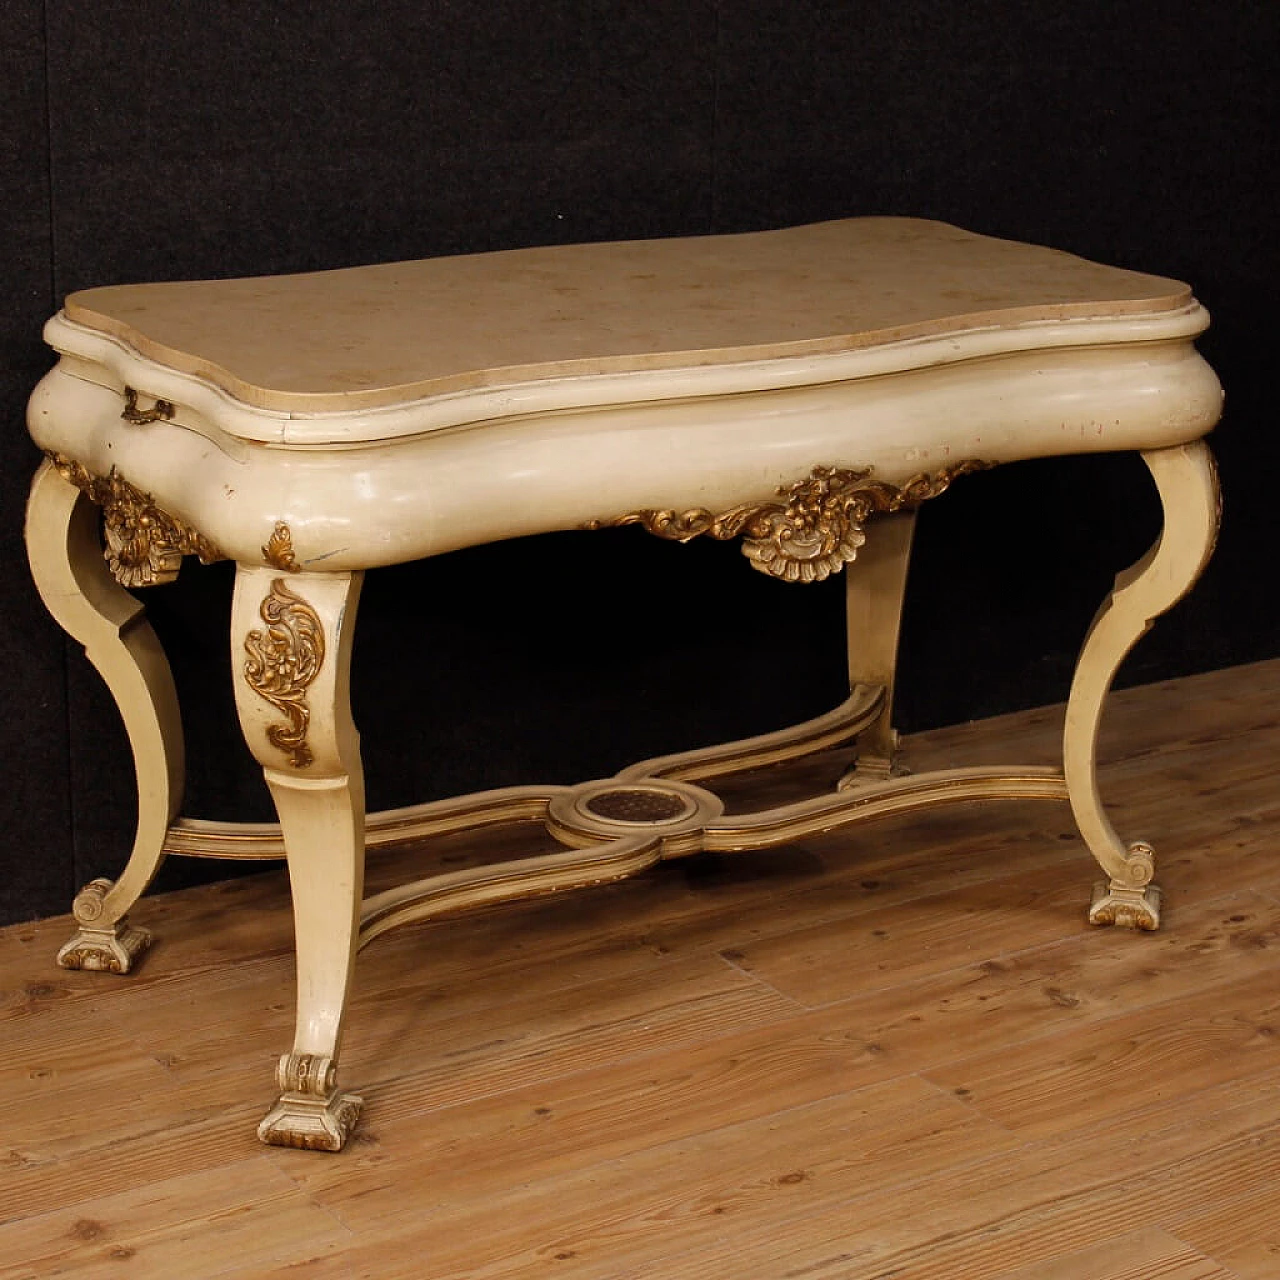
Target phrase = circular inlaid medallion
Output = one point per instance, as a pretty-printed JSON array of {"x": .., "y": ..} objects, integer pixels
[
  {"x": 638, "y": 804},
  {"x": 665, "y": 809}
]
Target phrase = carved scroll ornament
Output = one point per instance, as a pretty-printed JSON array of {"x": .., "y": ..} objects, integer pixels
[
  {"x": 143, "y": 544},
  {"x": 282, "y": 664},
  {"x": 814, "y": 530}
]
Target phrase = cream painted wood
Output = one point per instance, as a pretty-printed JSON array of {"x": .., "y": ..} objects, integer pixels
[
  {"x": 873, "y": 618},
  {"x": 354, "y": 506},
  {"x": 318, "y": 789},
  {"x": 1188, "y": 485},
  {"x": 310, "y": 428},
  {"x": 64, "y": 550},
  {"x": 249, "y": 841}
]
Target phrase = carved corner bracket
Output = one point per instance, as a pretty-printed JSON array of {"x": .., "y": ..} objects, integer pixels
[
  {"x": 142, "y": 543},
  {"x": 814, "y": 528},
  {"x": 283, "y": 663}
]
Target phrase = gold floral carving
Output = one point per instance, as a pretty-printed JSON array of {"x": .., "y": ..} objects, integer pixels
[
  {"x": 143, "y": 544},
  {"x": 278, "y": 552},
  {"x": 814, "y": 530},
  {"x": 282, "y": 663}
]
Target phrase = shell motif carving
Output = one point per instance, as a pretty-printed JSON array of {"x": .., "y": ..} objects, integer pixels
[
  {"x": 813, "y": 530},
  {"x": 282, "y": 664},
  {"x": 143, "y": 544}
]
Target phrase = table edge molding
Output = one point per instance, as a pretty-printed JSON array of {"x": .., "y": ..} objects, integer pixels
[{"x": 299, "y": 420}]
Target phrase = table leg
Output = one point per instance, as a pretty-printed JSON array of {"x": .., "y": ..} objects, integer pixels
[
  {"x": 291, "y": 637},
  {"x": 65, "y": 550},
  {"x": 1187, "y": 482},
  {"x": 874, "y": 586}
]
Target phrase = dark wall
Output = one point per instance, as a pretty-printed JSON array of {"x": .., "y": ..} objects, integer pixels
[
  {"x": 34, "y": 801},
  {"x": 143, "y": 140}
]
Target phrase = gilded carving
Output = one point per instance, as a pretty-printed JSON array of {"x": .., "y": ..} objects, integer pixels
[
  {"x": 815, "y": 528},
  {"x": 281, "y": 665},
  {"x": 143, "y": 544},
  {"x": 278, "y": 552}
]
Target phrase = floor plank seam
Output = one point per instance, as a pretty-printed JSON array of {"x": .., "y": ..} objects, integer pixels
[
  {"x": 949, "y": 1094},
  {"x": 1227, "y": 1272},
  {"x": 855, "y": 912},
  {"x": 1068, "y": 940},
  {"x": 797, "y": 1005},
  {"x": 1137, "y": 1110},
  {"x": 782, "y": 1028},
  {"x": 494, "y": 1093},
  {"x": 256, "y": 1158},
  {"x": 1078, "y": 1203},
  {"x": 277, "y": 1157},
  {"x": 935, "y": 975},
  {"x": 882, "y": 1183},
  {"x": 788, "y": 1225},
  {"x": 1189, "y": 750},
  {"x": 633, "y": 1057}
]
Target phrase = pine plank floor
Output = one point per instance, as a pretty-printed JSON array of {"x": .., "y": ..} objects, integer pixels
[{"x": 898, "y": 1053}]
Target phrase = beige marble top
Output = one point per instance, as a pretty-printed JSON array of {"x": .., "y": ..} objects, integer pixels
[{"x": 375, "y": 335}]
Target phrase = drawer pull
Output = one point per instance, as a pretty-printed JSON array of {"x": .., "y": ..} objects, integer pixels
[{"x": 161, "y": 411}]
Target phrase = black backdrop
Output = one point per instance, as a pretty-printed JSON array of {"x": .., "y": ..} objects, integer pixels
[{"x": 146, "y": 140}]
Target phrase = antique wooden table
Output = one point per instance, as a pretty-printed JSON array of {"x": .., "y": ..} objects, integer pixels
[{"x": 802, "y": 389}]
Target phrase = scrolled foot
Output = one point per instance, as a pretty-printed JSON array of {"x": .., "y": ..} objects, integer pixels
[
  {"x": 1133, "y": 902},
  {"x": 310, "y": 1114},
  {"x": 108, "y": 946}
]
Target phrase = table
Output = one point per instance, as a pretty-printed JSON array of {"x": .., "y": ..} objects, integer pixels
[{"x": 804, "y": 390}]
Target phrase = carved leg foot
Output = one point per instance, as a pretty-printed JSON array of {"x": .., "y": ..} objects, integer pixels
[
  {"x": 1187, "y": 482},
  {"x": 874, "y": 587},
  {"x": 311, "y": 1114},
  {"x": 291, "y": 650},
  {"x": 105, "y": 946},
  {"x": 65, "y": 551},
  {"x": 1134, "y": 902},
  {"x": 1129, "y": 908}
]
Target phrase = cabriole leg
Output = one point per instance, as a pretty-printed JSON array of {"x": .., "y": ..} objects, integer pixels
[
  {"x": 874, "y": 587},
  {"x": 1187, "y": 481},
  {"x": 65, "y": 551},
  {"x": 291, "y": 638}
]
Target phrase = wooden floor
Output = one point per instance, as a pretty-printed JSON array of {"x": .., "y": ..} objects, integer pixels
[{"x": 900, "y": 1053}]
